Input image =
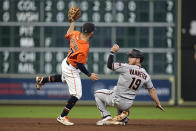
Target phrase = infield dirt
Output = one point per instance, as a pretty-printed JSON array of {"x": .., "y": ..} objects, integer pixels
[{"x": 32, "y": 124}]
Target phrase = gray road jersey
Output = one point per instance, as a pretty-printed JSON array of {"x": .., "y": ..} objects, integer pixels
[{"x": 131, "y": 78}]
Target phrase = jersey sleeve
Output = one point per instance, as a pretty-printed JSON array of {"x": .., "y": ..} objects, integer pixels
[
  {"x": 148, "y": 84},
  {"x": 69, "y": 36},
  {"x": 119, "y": 67}
]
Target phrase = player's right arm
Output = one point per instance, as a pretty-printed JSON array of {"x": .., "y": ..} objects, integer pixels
[
  {"x": 110, "y": 62},
  {"x": 115, "y": 66}
]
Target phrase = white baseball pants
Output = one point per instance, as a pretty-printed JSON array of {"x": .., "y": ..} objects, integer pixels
[{"x": 71, "y": 76}]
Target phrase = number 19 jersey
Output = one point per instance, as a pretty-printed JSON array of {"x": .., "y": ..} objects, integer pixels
[{"x": 131, "y": 78}]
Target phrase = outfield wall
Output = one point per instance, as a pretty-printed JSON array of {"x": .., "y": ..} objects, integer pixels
[{"x": 23, "y": 91}]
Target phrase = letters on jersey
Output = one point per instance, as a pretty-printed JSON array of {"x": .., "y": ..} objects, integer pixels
[
  {"x": 138, "y": 73},
  {"x": 79, "y": 49}
]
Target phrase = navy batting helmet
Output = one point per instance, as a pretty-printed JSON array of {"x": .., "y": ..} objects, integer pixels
[{"x": 134, "y": 53}]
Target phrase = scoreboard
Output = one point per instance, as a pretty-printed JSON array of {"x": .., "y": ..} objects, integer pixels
[{"x": 32, "y": 33}]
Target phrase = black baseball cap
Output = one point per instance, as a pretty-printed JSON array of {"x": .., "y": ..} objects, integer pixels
[
  {"x": 88, "y": 28},
  {"x": 134, "y": 53}
]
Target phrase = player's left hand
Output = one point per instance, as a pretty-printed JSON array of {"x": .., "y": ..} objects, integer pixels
[
  {"x": 160, "y": 107},
  {"x": 74, "y": 13}
]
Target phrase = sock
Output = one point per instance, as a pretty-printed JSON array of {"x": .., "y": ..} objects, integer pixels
[
  {"x": 54, "y": 78},
  {"x": 70, "y": 104}
]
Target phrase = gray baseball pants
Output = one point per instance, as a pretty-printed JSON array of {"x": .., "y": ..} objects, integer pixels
[{"x": 106, "y": 97}]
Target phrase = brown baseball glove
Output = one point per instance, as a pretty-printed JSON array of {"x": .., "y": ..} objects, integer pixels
[
  {"x": 74, "y": 13},
  {"x": 121, "y": 116}
]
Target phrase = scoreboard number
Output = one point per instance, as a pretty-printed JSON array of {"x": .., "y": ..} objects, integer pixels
[{"x": 40, "y": 25}]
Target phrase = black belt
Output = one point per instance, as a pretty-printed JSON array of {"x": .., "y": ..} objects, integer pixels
[
  {"x": 125, "y": 98},
  {"x": 69, "y": 64}
]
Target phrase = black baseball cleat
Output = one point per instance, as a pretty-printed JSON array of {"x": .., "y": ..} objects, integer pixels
[{"x": 125, "y": 120}]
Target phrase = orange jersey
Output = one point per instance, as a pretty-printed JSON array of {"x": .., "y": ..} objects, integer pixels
[{"x": 78, "y": 51}]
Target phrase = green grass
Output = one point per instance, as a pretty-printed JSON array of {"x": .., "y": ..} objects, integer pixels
[{"x": 172, "y": 113}]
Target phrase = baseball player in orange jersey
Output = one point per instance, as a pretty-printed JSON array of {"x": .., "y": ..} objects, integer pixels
[{"x": 71, "y": 66}]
